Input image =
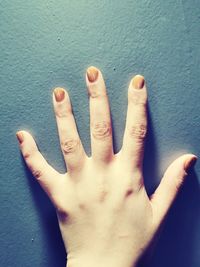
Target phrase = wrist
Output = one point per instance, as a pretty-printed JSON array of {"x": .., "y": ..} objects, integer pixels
[
  {"x": 96, "y": 264},
  {"x": 99, "y": 262}
]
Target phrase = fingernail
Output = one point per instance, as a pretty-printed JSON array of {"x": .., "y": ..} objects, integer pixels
[
  {"x": 20, "y": 137},
  {"x": 92, "y": 74},
  {"x": 138, "y": 82},
  {"x": 59, "y": 94},
  {"x": 190, "y": 164}
]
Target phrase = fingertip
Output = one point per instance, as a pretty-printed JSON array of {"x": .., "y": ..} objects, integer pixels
[
  {"x": 185, "y": 161},
  {"x": 59, "y": 94},
  {"x": 20, "y": 136},
  {"x": 92, "y": 74},
  {"x": 190, "y": 162},
  {"x": 24, "y": 138},
  {"x": 138, "y": 81},
  {"x": 95, "y": 82}
]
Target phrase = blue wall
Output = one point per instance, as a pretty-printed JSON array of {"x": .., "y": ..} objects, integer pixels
[{"x": 45, "y": 44}]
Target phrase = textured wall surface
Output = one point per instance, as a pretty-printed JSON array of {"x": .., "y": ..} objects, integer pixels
[{"x": 44, "y": 44}]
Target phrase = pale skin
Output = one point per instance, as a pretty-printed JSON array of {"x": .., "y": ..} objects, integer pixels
[{"x": 105, "y": 215}]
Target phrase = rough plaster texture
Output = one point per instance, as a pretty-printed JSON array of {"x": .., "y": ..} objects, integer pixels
[{"x": 45, "y": 44}]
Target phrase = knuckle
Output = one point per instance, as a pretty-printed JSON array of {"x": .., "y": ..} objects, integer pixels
[
  {"x": 62, "y": 110},
  {"x": 102, "y": 194},
  {"x": 129, "y": 192},
  {"x": 70, "y": 145},
  {"x": 27, "y": 155},
  {"x": 94, "y": 92},
  {"x": 138, "y": 132},
  {"x": 135, "y": 184},
  {"x": 138, "y": 100},
  {"x": 37, "y": 174},
  {"x": 139, "y": 183},
  {"x": 101, "y": 130}
]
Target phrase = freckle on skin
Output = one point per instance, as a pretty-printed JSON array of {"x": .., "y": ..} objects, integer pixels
[{"x": 81, "y": 206}]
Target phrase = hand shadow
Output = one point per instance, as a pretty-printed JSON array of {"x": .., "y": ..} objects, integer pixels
[
  {"x": 150, "y": 162},
  {"x": 48, "y": 223},
  {"x": 176, "y": 242}
]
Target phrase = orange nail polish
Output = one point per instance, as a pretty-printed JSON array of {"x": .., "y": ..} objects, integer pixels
[
  {"x": 138, "y": 82},
  {"x": 92, "y": 74},
  {"x": 20, "y": 137},
  {"x": 59, "y": 94}
]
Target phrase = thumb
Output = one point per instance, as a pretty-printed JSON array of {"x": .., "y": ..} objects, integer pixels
[
  {"x": 170, "y": 184},
  {"x": 41, "y": 170}
]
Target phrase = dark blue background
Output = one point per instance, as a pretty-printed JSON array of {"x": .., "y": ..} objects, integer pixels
[{"x": 44, "y": 44}]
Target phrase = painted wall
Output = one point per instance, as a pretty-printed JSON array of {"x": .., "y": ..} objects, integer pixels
[{"x": 44, "y": 44}]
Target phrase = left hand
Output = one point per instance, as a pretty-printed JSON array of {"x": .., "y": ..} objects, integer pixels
[{"x": 104, "y": 213}]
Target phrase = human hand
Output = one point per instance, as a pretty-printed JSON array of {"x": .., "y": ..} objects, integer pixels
[{"x": 105, "y": 215}]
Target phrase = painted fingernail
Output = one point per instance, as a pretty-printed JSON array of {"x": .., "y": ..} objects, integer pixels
[
  {"x": 138, "y": 82},
  {"x": 20, "y": 137},
  {"x": 190, "y": 164},
  {"x": 59, "y": 94},
  {"x": 92, "y": 74}
]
